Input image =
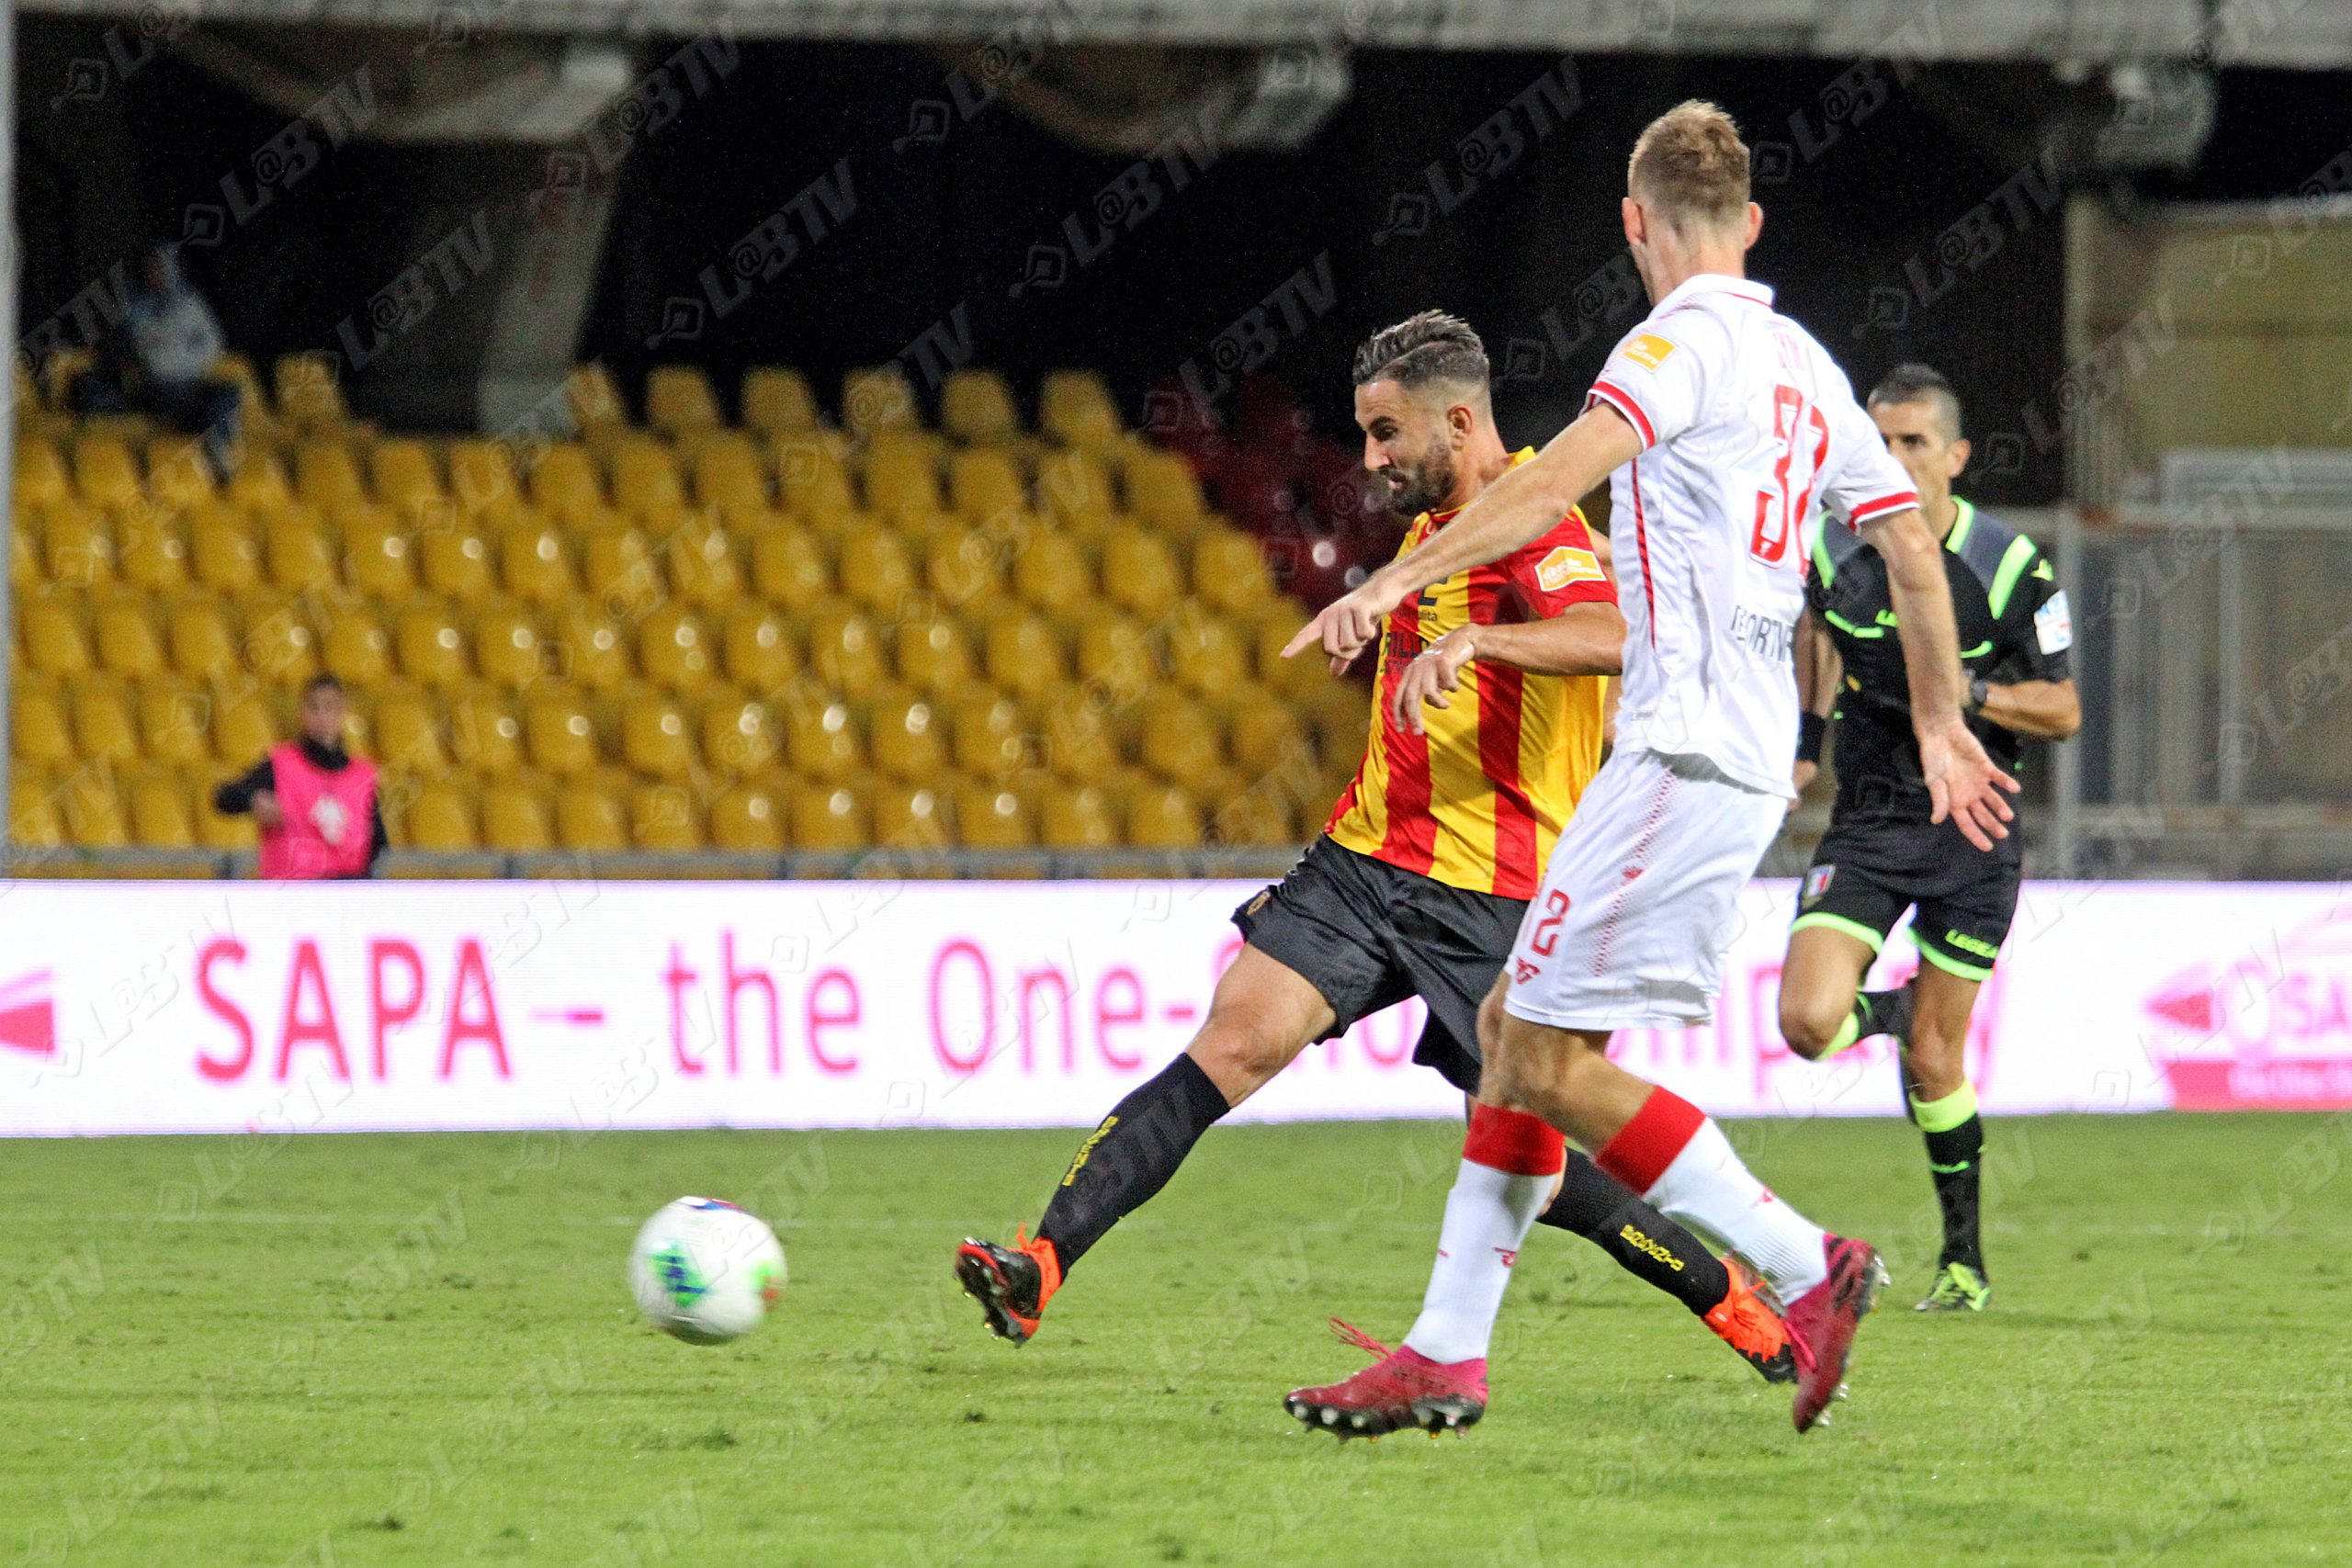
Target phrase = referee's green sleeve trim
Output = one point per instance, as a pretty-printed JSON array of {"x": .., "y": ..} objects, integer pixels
[
  {"x": 1821, "y": 561},
  {"x": 2005, "y": 581},
  {"x": 1947, "y": 963},
  {"x": 1855, "y": 929},
  {"x": 1963, "y": 519}
]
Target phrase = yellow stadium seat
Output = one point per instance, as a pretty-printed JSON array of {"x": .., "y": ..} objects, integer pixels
[
  {"x": 738, "y": 736},
  {"x": 1259, "y": 816},
  {"x": 878, "y": 397},
  {"x": 78, "y": 547},
  {"x": 432, "y": 646},
  {"x": 790, "y": 565},
  {"x": 1277, "y": 622},
  {"x": 1230, "y": 573},
  {"x": 829, "y": 816},
  {"x": 259, "y": 485},
  {"x": 984, "y": 483},
  {"x": 40, "y": 479},
  {"x": 454, "y": 561},
  {"x": 408, "y": 733},
  {"x": 726, "y": 475},
  {"x": 587, "y": 649},
  {"x": 654, "y": 739},
  {"x": 663, "y": 816},
  {"x": 179, "y": 473},
  {"x": 278, "y": 643},
  {"x": 989, "y": 816},
  {"x": 1075, "y": 488},
  {"x": 962, "y": 568},
  {"x": 1074, "y": 407},
  {"x": 1139, "y": 572},
  {"x": 94, "y": 815},
  {"x": 404, "y": 472},
  {"x": 678, "y": 398},
  {"x": 1023, "y": 655},
  {"x": 976, "y": 407},
  {"x": 159, "y": 812},
  {"x": 899, "y": 479},
  {"x": 298, "y": 557},
  {"x": 1164, "y": 490},
  {"x": 910, "y": 817},
  {"x": 308, "y": 393},
  {"x": 507, "y": 647},
  {"x": 1204, "y": 651},
  {"x": 107, "y": 472},
  {"x": 151, "y": 547},
  {"x": 174, "y": 721},
  {"x": 37, "y": 729},
  {"x": 564, "y": 483},
  {"x": 932, "y": 656},
  {"x": 674, "y": 650},
  {"x": 484, "y": 735},
  {"x": 596, "y": 399},
  {"x": 987, "y": 737},
  {"x": 214, "y": 831},
  {"x": 57, "y": 372},
  {"x": 875, "y": 571},
  {"x": 1163, "y": 816},
  {"x": 34, "y": 820},
  {"x": 202, "y": 644},
  {"x": 482, "y": 477},
  {"x": 244, "y": 730},
  {"x": 532, "y": 564},
  {"x": 846, "y": 652},
  {"x": 1264, "y": 736},
  {"x": 703, "y": 568},
  {"x": 442, "y": 818},
  {"x": 1180, "y": 743},
  {"x": 377, "y": 559},
  {"x": 776, "y": 400},
  {"x": 617, "y": 567},
  {"x": 355, "y": 649},
  {"x": 819, "y": 741},
  {"x": 590, "y": 819},
  {"x": 759, "y": 650},
  {"x": 1114, "y": 653},
  {"x": 749, "y": 820},
  {"x": 223, "y": 551},
  {"x": 514, "y": 817},
  {"x": 811, "y": 477},
  {"x": 25, "y": 573},
  {"x": 559, "y": 735},
  {"x": 327, "y": 476},
  {"x": 55, "y": 641},
  {"x": 128, "y": 640},
  {"x": 645, "y": 480},
  {"x": 905, "y": 742}
]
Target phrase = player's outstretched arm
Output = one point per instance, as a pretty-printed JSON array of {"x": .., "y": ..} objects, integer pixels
[
  {"x": 2047, "y": 710},
  {"x": 1523, "y": 503},
  {"x": 1583, "y": 639},
  {"x": 1962, "y": 780}
]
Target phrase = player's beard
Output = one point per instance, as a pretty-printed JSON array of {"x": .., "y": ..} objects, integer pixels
[{"x": 1427, "y": 483}]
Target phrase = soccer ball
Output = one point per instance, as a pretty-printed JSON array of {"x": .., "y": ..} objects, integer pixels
[{"x": 706, "y": 1270}]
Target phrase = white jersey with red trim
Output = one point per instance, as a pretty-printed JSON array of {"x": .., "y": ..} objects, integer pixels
[{"x": 1747, "y": 425}]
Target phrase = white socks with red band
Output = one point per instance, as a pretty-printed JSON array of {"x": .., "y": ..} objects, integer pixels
[
  {"x": 1676, "y": 1156},
  {"x": 1509, "y": 1162}
]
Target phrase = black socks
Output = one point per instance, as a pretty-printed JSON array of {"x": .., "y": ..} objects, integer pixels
[
  {"x": 1645, "y": 1243},
  {"x": 1130, "y": 1156}
]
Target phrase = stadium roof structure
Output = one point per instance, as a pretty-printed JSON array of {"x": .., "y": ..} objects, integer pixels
[{"x": 2291, "y": 33}]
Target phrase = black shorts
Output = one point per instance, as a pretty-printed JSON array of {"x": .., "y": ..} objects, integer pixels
[
  {"x": 1866, "y": 874},
  {"x": 1367, "y": 935}
]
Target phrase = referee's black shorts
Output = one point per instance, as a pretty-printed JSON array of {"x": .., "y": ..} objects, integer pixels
[
  {"x": 1867, "y": 872},
  {"x": 1367, "y": 935}
]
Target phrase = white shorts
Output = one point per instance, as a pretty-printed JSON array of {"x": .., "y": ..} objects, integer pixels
[{"x": 1639, "y": 900}]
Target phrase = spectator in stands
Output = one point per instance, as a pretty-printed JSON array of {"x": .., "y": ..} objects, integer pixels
[
  {"x": 311, "y": 798},
  {"x": 160, "y": 358}
]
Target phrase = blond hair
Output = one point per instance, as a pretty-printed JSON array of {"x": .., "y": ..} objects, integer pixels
[{"x": 1691, "y": 166}]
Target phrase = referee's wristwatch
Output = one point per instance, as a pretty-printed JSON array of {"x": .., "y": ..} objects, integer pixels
[{"x": 1979, "y": 693}]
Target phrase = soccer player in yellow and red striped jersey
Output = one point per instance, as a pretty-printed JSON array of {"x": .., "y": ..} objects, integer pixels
[{"x": 1487, "y": 725}]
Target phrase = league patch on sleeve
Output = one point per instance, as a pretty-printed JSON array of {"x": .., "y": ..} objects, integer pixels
[
  {"x": 1647, "y": 350},
  {"x": 1566, "y": 565},
  {"x": 2053, "y": 625},
  {"x": 1817, "y": 882}
]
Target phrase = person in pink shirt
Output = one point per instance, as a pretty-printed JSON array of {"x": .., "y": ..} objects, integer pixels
[{"x": 314, "y": 803}]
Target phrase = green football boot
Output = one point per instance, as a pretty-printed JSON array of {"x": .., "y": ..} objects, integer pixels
[{"x": 1958, "y": 1288}]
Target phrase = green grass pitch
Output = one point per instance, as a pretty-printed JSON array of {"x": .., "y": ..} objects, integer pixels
[{"x": 349, "y": 1350}]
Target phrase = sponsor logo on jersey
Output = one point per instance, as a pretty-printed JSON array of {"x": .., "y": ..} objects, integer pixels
[
  {"x": 2053, "y": 624},
  {"x": 1817, "y": 882},
  {"x": 1566, "y": 565},
  {"x": 1648, "y": 350}
]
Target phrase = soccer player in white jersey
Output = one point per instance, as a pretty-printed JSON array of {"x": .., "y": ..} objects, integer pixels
[{"x": 1724, "y": 423}]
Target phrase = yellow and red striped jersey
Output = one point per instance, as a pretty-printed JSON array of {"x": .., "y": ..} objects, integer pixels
[{"x": 1477, "y": 802}]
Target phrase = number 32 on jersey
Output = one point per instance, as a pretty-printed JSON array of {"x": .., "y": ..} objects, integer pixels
[{"x": 1781, "y": 511}]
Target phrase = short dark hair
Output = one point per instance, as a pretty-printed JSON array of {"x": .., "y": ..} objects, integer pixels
[
  {"x": 321, "y": 682},
  {"x": 1917, "y": 383},
  {"x": 1432, "y": 346}
]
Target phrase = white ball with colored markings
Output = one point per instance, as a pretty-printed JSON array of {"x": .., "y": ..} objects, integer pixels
[{"x": 706, "y": 1270}]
